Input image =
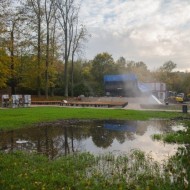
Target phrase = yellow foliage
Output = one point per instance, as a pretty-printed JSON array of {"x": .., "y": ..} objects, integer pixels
[{"x": 4, "y": 68}]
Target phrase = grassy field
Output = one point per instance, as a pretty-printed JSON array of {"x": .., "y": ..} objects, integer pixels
[
  {"x": 20, "y": 170},
  {"x": 23, "y": 117}
]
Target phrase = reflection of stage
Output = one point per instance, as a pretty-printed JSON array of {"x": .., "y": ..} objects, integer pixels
[{"x": 120, "y": 127}]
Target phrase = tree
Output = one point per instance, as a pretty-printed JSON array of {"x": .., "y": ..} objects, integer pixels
[
  {"x": 186, "y": 83},
  {"x": 102, "y": 64},
  {"x": 168, "y": 67},
  {"x": 121, "y": 65},
  {"x": 68, "y": 17},
  {"x": 35, "y": 12},
  {"x": 79, "y": 36},
  {"x": 165, "y": 74},
  {"x": 140, "y": 69},
  {"x": 4, "y": 68},
  {"x": 49, "y": 14},
  {"x": 12, "y": 37}
]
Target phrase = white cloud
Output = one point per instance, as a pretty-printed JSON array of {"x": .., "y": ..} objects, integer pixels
[{"x": 153, "y": 31}]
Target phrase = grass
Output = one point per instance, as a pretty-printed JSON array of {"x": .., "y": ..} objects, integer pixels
[
  {"x": 180, "y": 137},
  {"x": 23, "y": 117},
  {"x": 85, "y": 171},
  {"x": 20, "y": 170}
]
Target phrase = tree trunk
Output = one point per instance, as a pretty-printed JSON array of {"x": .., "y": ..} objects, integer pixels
[
  {"x": 47, "y": 63},
  {"x": 72, "y": 75},
  {"x": 13, "y": 91},
  {"x": 39, "y": 50}
]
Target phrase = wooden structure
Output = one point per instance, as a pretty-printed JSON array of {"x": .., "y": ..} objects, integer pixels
[
  {"x": 108, "y": 104},
  {"x": 46, "y": 102}
]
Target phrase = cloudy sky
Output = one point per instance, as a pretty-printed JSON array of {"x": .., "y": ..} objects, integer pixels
[{"x": 152, "y": 31}]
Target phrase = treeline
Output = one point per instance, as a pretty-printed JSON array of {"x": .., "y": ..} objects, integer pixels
[
  {"x": 39, "y": 43},
  {"x": 36, "y": 36}
]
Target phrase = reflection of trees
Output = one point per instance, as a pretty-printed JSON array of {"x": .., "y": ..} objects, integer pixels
[
  {"x": 7, "y": 140},
  {"x": 50, "y": 141},
  {"x": 64, "y": 138},
  {"x": 104, "y": 137},
  {"x": 121, "y": 137},
  {"x": 101, "y": 137},
  {"x": 141, "y": 127}
]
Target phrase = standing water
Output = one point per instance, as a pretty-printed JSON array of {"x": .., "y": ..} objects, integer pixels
[{"x": 97, "y": 137}]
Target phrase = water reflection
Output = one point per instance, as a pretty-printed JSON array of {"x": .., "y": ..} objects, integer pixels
[{"x": 62, "y": 138}]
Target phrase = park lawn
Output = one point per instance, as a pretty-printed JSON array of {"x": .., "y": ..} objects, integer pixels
[
  {"x": 25, "y": 117},
  {"x": 21, "y": 170}
]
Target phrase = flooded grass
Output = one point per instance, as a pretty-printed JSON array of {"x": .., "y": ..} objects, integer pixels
[
  {"x": 178, "y": 136},
  {"x": 136, "y": 171}
]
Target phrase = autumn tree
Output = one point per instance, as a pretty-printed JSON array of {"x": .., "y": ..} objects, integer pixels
[
  {"x": 140, "y": 70},
  {"x": 12, "y": 37},
  {"x": 35, "y": 13},
  {"x": 4, "y": 68},
  {"x": 50, "y": 13},
  {"x": 166, "y": 74},
  {"x": 79, "y": 36},
  {"x": 68, "y": 19}
]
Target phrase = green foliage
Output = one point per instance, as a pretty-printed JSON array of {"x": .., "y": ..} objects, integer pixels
[
  {"x": 81, "y": 89},
  {"x": 102, "y": 64}
]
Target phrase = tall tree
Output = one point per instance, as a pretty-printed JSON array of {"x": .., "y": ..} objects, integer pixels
[
  {"x": 80, "y": 35},
  {"x": 68, "y": 15},
  {"x": 49, "y": 14},
  {"x": 12, "y": 19},
  {"x": 35, "y": 11}
]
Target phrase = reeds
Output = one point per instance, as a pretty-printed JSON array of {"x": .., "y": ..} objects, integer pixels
[{"x": 85, "y": 171}]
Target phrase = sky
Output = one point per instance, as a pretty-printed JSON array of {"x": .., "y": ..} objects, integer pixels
[{"x": 152, "y": 31}]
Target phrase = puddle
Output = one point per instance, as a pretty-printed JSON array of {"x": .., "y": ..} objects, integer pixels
[{"x": 96, "y": 137}]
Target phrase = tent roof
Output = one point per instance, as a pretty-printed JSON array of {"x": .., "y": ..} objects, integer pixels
[{"x": 117, "y": 78}]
